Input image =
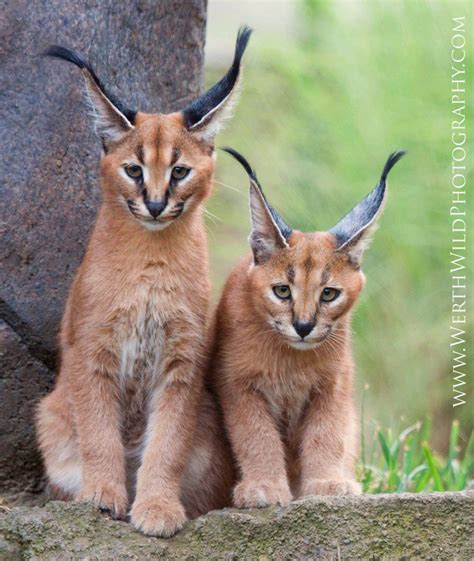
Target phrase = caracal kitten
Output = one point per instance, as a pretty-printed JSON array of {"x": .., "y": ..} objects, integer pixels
[{"x": 282, "y": 363}]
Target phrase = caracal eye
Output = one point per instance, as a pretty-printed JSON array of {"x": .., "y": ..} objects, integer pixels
[
  {"x": 133, "y": 171},
  {"x": 282, "y": 291},
  {"x": 179, "y": 172},
  {"x": 329, "y": 294}
]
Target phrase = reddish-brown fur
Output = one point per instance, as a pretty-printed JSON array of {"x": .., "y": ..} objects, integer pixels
[
  {"x": 146, "y": 291},
  {"x": 281, "y": 359},
  {"x": 121, "y": 427},
  {"x": 280, "y": 354},
  {"x": 288, "y": 412}
]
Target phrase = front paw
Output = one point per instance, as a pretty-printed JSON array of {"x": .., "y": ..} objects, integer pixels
[
  {"x": 111, "y": 497},
  {"x": 158, "y": 517},
  {"x": 248, "y": 493},
  {"x": 331, "y": 487}
]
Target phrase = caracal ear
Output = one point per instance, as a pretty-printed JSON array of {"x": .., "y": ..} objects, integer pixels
[
  {"x": 206, "y": 115},
  {"x": 354, "y": 231},
  {"x": 269, "y": 231},
  {"x": 112, "y": 119}
]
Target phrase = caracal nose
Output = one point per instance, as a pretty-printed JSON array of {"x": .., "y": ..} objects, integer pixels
[
  {"x": 303, "y": 328},
  {"x": 155, "y": 208}
]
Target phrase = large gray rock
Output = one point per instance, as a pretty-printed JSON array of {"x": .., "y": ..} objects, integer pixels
[
  {"x": 150, "y": 54},
  {"x": 24, "y": 378},
  {"x": 406, "y": 526}
]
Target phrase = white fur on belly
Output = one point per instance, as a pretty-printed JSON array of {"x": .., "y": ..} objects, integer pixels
[{"x": 142, "y": 351}]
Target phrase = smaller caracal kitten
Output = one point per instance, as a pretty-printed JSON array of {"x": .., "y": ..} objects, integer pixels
[
  {"x": 282, "y": 363},
  {"x": 120, "y": 428}
]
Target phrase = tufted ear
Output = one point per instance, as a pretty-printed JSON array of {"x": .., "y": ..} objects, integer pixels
[
  {"x": 354, "y": 231},
  {"x": 206, "y": 115},
  {"x": 112, "y": 119},
  {"x": 269, "y": 232}
]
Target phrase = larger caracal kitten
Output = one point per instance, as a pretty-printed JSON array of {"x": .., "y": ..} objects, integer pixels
[
  {"x": 282, "y": 360},
  {"x": 119, "y": 429}
]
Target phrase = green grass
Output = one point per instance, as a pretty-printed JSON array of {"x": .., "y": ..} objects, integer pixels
[
  {"x": 406, "y": 462},
  {"x": 318, "y": 116}
]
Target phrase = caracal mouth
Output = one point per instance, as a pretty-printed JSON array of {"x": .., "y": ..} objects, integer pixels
[
  {"x": 155, "y": 225},
  {"x": 303, "y": 345},
  {"x": 158, "y": 223}
]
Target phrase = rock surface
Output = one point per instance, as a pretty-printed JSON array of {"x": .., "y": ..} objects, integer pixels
[
  {"x": 423, "y": 526},
  {"x": 23, "y": 379},
  {"x": 148, "y": 53}
]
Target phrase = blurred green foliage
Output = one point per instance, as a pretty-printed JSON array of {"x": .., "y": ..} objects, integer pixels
[
  {"x": 406, "y": 462},
  {"x": 318, "y": 116}
]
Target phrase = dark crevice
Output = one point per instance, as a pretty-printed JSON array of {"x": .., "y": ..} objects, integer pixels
[{"x": 32, "y": 342}]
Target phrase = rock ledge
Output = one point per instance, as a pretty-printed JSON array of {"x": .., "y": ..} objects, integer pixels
[{"x": 426, "y": 526}]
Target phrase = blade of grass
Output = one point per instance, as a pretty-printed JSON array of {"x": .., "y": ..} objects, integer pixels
[
  {"x": 449, "y": 471},
  {"x": 421, "y": 483},
  {"x": 438, "y": 484},
  {"x": 468, "y": 454},
  {"x": 453, "y": 441},
  {"x": 384, "y": 446},
  {"x": 362, "y": 424}
]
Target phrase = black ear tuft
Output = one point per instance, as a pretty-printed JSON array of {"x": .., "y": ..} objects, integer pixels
[
  {"x": 243, "y": 37},
  {"x": 242, "y": 161},
  {"x": 76, "y": 58},
  {"x": 392, "y": 160},
  {"x": 67, "y": 54},
  {"x": 195, "y": 113},
  {"x": 283, "y": 227},
  {"x": 360, "y": 221}
]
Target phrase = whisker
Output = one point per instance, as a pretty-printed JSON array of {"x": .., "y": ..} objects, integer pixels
[
  {"x": 210, "y": 231},
  {"x": 336, "y": 338},
  {"x": 212, "y": 216},
  {"x": 332, "y": 345},
  {"x": 341, "y": 328},
  {"x": 231, "y": 187},
  {"x": 213, "y": 221}
]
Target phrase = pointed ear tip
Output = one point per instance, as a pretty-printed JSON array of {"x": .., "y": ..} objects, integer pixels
[
  {"x": 63, "y": 53},
  {"x": 244, "y": 28},
  {"x": 50, "y": 50},
  {"x": 391, "y": 161},
  {"x": 242, "y": 161},
  {"x": 397, "y": 155},
  {"x": 200, "y": 112},
  {"x": 244, "y": 33},
  {"x": 243, "y": 36}
]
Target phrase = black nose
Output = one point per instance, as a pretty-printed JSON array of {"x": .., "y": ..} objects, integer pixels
[
  {"x": 303, "y": 328},
  {"x": 155, "y": 208}
]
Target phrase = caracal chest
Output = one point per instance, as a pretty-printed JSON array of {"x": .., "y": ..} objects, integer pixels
[
  {"x": 140, "y": 333},
  {"x": 286, "y": 396},
  {"x": 140, "y": 336}
]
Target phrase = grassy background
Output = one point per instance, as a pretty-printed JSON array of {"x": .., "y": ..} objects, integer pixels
[{"x": 321, "y": 109}]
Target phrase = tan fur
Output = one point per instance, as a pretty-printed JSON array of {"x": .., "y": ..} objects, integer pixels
[
  {"x": 288, "y": 411},
  {"x": 132, "y": 342}
]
